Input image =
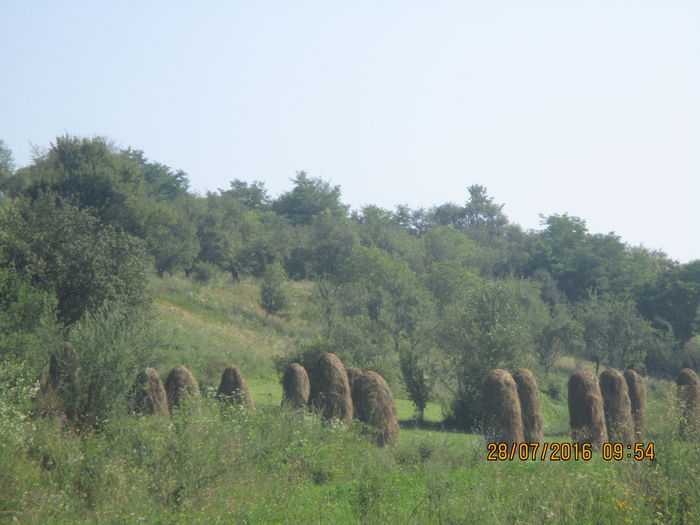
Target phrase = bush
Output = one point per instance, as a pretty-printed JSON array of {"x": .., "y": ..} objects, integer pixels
[{"x": 275, "y": 296}]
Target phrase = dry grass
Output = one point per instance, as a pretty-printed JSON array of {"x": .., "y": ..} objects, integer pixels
[
  {"x": 530, "y": 406},
  {"x": 637, "y": 390},
  {"x": 586, "y": 412},
  {"x": 374, "y": 405},
  {"x": 149, "y": 394},
  {"x": 688, "y": 387},
  {"x": 179, "y": 385},
  {"x": 296, "y": 386},
  {"x": 234, "y": 388},
  {"x": 503, "y": 422},
  {"x": 330, "y": 390},
  {"x": 353, "y": 373},
  {"x": 618, "y": 408}
]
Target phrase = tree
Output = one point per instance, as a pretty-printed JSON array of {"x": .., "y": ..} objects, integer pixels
[
  {"x": 560, "y": 335},
  {"x": 274, "y": 290},
  {"x": 615, "y": 333},
  {"x": 309, "y": 197},
  {"x": 64, "y": 250},
  {"x": 7, "y": 165},
  {"x": 487, "y": 330}
]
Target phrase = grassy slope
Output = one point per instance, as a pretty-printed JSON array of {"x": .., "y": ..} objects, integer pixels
[{"x": 209, "y": 465}]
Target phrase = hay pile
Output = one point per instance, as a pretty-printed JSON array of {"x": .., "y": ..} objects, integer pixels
[
  {"x": 295, "y": 386},
  {"x": 61, "y": 381},
  {"x": 586, "y": 413},
  {"x": 374, "y": 405},
  {"x": 689, "y": 403},
  {"x": 618, "y": 408},
  {"x": 353, "y": 373},
  {"x": 503, "y": 422},
  {"x": 637, "y": 390},
  {"x": 149, "y": 394},
  {"x": 179, "y": 385},
  {"x": 530, "y": 406},
  {"x": 234, "y": 388},
  {"x": 330, "y": 390}
]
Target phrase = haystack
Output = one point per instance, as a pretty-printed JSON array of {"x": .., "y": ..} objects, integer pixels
[
  {"x": 60, "y": 382},
  {"x": 617, "y": 405},
  {"x": 586, "y": 412},
  {"x": 689, "y": 403},
  {"x": 149, "y": 394},
  {"x": 353, "y": 373},
  {"x": 503, "y": 422},
  {"x": 637, "y": 390},
  {"x": 295, "y": 385},
  {"x": 234, "y": 388},
  {"x": 179, "y": 385},
  {"x": 374, "y": 405},
  {"x": 530, "y": 406},
  {"x": 330, "y": 390}
]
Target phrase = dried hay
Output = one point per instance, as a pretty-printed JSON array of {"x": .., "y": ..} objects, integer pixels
[
  {"x": 179, "y": 385},
  {"x": 530, "y": 406},
  {"x": 637, "y": 390},
  {"x": 330, "y": 390},
  {"x": 586, "y": 412},
  {"x": 688, "y": 386},
  {"x": 295, "y": 386},
  {"x": 375, "y": 406},
  {"x": 503, "y": 422},
  {"x": 618, "y": 408},
  {"x": 149, "y": 394},
  {"x": 234, "y": 388},
  {"x": 353, "y": 373}
]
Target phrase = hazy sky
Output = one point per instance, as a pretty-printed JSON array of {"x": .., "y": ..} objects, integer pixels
[{"x": 590, "y": 108}]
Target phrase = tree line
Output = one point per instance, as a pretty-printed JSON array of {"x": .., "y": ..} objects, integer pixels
[{"x": 436, "y": 296}]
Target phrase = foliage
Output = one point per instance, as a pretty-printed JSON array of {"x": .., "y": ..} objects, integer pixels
[
  {"x": 275, "y": 296},
  {"x": 487, "y": 331},
  {"x": 65, "y": 251},
  {"x": 112, "y": 344}
]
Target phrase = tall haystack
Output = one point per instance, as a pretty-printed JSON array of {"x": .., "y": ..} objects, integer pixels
[
  {"x": 503, "y": 421},
  {"x": 149, "y": 394},
  {"x": 637, "y": 390},
  {"x": 618, "y": 408},
  {"x": 330, "y": 390},
  {"x": 60, "y": 382},
  {"x": 374, "y": 405},
  {"x": 234, "y": 388},
  {"x": 586, "y": 412},
  {"x": 180, "y": 384},
  {"x": 295, "y": 386},
  {"x": 689, "y": 403},
  {"x": 353, "y": 373},
  {"x": 530, "y": 406}
]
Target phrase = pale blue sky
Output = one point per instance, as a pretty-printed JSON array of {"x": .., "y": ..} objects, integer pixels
[{"x": 590, "y": 108}]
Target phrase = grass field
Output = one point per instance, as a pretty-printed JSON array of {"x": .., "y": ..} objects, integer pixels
[{"x": 213, "y": 464}]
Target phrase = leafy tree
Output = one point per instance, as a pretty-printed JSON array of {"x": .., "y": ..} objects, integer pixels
[
  {"x": 7, "y": 165},
  {"x": 65, "y": 251},
  {"x": 488, "y": 330},
  {"x": 561, "y": 335},
  {"x": 309, "y": 197},
  {"x": 274, "y": 290},
  {"x": 614, "y": 332},
  {"x": 253, "y": 196}
]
